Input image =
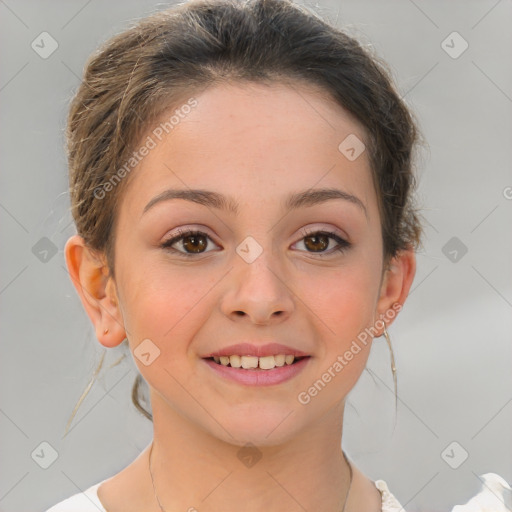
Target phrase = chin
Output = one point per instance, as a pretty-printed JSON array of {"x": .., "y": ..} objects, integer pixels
[{"x": 260, "y": 426}]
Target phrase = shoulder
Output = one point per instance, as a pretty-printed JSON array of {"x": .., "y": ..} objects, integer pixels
[
  {"x": 389, "y": 502},
  {"x": 372, "y": 495},
  {"x": 86, "y": 501},
  {"x": 495, "y": 494}
]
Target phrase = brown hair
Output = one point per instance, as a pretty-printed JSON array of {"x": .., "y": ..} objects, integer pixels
[{"x": 140, "y": 73}]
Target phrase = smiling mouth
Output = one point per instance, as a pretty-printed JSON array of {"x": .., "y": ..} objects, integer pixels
[{"x": 256, "y": 363}]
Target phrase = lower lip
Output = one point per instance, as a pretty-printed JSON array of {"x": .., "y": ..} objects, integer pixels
[{"x": 253, "y": 377}]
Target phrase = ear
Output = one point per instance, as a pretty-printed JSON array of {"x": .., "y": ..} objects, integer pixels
[
  {"x": 97, "y": 291},
  {"x": 396, "y": 282}
]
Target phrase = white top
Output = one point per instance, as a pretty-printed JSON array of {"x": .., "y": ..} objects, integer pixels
[
  {"x": 495, "y": 496},
  {"x": 88, "y": 501}
]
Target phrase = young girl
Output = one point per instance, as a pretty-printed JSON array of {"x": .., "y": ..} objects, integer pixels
[{"x": 241, "y": 183}]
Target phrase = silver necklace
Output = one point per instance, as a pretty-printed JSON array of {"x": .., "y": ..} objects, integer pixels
[{"x": 163, "y": 510}]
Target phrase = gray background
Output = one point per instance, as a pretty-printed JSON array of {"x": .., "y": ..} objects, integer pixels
[{"x": 451, "y": 341}]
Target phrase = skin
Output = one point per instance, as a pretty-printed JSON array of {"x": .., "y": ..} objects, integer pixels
[{"x": 258, "y": 144}]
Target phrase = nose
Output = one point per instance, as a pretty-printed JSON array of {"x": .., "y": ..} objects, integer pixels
[{"x": 258, "y": 292}]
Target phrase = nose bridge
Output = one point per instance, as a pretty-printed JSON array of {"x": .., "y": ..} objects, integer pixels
[{"x": 258, "y": 287}]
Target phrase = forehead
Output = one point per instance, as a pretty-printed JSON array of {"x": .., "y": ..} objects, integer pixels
[{"x": 250, "y": 139}]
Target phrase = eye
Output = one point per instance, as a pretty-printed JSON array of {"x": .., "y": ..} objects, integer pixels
[
  {"x": 191, "y": 242},
  {"x": 317, "y": 242}
]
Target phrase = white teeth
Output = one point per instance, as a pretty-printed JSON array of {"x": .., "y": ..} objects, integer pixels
[
  {"x": 251, "y": 362},
  {"x": 267, "y": 362},
  {"x": 280, "y": 360},
  {"x": 235, "y": 361}
]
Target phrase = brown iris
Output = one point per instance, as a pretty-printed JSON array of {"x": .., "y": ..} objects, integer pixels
[
  {"x": 194, "y": 243},
  {"x": 320, "y": 242}
]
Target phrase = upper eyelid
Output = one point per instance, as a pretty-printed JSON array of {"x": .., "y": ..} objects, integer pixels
[
  {"x": 310, "y": 231},
  {"x": 306, "y": 231}
]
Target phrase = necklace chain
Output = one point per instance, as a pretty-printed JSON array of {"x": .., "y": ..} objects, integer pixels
[{"x": 163, "y": 510}]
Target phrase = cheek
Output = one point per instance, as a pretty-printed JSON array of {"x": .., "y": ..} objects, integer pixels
[
  {"x": 167, "y": 307},
  {"x": 164, "y": 317},
  {"x": 343, "y": 299},
  {"x": 343, "y": 303},
  {"x": 160, "y": 296},
  {"x": 343, "y": 306}
]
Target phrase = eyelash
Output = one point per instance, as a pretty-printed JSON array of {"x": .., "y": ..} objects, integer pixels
[{"x": 343, "y": 245}]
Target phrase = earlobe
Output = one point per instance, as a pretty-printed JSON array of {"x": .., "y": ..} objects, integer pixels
[
  {"x": 96, "y": 290},
  {"x": 396, "y": 284}
]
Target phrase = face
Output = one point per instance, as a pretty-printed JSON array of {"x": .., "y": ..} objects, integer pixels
[{"x": 301, "y": 271}]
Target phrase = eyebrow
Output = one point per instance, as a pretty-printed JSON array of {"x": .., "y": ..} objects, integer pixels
[{"x": 219, "y": 201}]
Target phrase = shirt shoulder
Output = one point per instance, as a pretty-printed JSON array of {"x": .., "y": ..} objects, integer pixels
[
  {"x": 86, "y": 501},
  {"x": 389, "y": 502}
]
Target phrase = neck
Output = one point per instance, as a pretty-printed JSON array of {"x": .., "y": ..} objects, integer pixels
[{"x": 194, "y": 470}]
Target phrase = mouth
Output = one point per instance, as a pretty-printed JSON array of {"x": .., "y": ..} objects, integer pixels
[
  {"x": 257, "y": 371},
  {"x": 254, "y": 363}
]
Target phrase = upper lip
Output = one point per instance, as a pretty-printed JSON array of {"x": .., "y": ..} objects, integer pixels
[{"x": 248, "y": 349}]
